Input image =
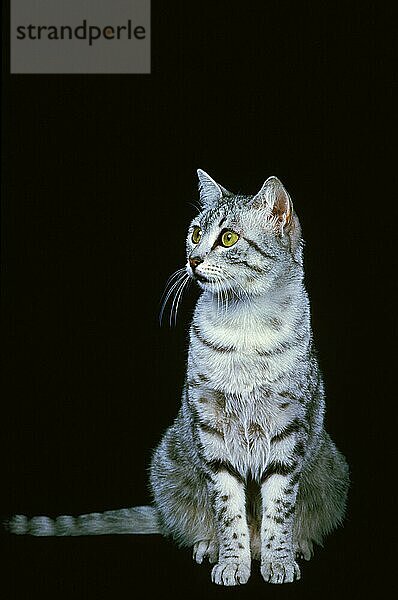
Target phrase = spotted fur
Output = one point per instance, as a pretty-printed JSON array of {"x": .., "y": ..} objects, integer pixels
[{"x": 247, "y": 470}]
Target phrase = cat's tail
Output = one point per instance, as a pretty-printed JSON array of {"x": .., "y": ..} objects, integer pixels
[{"x": 138, "y": 519}]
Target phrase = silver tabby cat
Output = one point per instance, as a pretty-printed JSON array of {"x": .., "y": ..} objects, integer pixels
[{"x": 247, "y": 470}]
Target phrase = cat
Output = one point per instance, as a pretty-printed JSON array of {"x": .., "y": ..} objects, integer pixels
[{"x": 247, "y": 470}]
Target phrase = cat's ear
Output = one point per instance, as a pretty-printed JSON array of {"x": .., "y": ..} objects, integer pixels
[
  {"x": 276, "y": 200},
  {"x": 210, "y": 192}
]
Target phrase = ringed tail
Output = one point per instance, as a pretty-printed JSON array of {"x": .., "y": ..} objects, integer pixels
[{"x": 135, "y": 520}]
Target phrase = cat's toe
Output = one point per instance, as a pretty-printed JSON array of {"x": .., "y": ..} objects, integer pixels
[
  {"x": 278, "y": 571},
  {"x": 199, "y": 551},
  {"x": 304, "y": 550},
  {"x": 229, "y": 573},
  {"x": 203, "y": 549}
]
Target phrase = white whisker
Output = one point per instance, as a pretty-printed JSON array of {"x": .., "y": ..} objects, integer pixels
[
  {"x": 196, "y": 206},
  {"x": 175, "y": 275},
  {"x": 176, "y": 300},
  {"x": 171, "y": 288},
  {"x": 218, "y": 294}
]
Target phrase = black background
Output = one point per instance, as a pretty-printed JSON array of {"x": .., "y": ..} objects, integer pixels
[{"x": 98, "y": 177}]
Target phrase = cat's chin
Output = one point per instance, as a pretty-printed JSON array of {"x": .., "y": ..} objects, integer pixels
[
  {"x": 205, "y": 284},
  {"x": 201, "y": 278}
]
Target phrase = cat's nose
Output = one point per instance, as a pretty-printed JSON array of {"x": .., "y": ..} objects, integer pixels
[{"x": 195, "y": 261}]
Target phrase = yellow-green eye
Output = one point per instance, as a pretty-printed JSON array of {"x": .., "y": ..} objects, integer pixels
[
  {"x": 229, "y": 238},
  {"x": 196, "y": 235}
]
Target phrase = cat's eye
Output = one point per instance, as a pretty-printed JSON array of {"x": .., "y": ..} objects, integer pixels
[
  {"x": 196, "y": 235},
  {"x": 229, "y": 238}
]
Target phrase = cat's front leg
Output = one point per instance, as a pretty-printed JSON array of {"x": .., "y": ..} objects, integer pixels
[
  {"x": 278, "y": 492},
  {"x": 227, "y": 492}
]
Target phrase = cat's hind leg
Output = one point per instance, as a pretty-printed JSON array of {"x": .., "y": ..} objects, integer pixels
[
  {"x": 180, "y": 495},
  {"x": 321, "y": 498}
]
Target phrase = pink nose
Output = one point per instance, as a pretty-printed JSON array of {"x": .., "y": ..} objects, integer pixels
[{"x": 194, "y": 262}]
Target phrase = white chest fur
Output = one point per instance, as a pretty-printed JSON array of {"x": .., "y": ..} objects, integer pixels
[
  {"x": 236, "y": 354},
  {"x": 248, "y": 346}
]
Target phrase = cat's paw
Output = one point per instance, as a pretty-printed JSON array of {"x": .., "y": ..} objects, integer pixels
[
  {"x": 279, "y": 571},
  {"x": 230, "y": 573},
  {"x": 304, "y": 549},
  {"x": 205, "y": 549}
]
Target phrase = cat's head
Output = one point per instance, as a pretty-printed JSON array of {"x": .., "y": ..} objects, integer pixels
[{"x": 240, "y": 243}]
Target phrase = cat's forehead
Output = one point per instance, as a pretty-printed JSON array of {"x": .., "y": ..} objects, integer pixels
[{"x": 229, "y": 211}]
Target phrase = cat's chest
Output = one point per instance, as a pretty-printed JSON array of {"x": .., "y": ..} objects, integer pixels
[{"x": 237, "y": 357}]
